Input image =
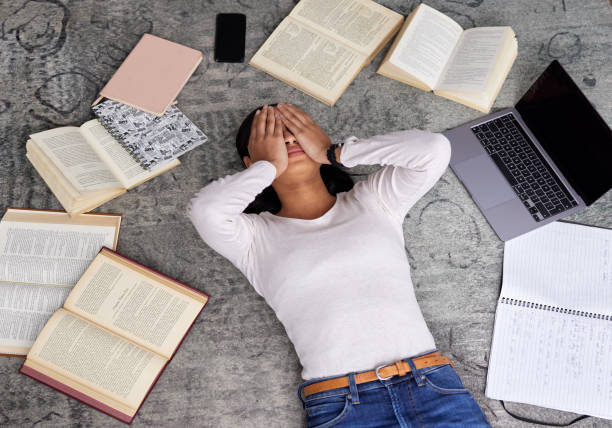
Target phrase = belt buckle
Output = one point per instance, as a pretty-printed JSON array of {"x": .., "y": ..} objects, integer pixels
[{"x": 378, "y": 374}]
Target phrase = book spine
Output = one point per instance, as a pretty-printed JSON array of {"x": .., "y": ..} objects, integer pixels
[
  {"x": 542, "y": 307},
  {"x": 110, "y": 127}
]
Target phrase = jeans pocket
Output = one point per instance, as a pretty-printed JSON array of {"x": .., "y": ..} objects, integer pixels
[
  {"x": 327, "y": 412},
  {"x": 445, "y": 380}
]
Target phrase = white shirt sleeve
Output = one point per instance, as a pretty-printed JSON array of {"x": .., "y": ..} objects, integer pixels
[
  {"x": 413, "y": 161},
  {"x": 216, "y": 211}
]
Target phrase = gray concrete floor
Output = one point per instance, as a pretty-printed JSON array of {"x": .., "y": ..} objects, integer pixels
[{"x": 237, "y": 367}]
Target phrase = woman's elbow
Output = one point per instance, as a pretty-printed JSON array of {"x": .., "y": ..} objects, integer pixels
[
  {"x": 440, "y": 149},
  {"x": 202, "y": 208}
]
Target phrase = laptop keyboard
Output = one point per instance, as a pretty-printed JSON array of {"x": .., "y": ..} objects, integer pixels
[{"x": 541, "y": 191}]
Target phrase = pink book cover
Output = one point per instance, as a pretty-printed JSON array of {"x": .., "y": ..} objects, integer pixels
[
  {"x": 152, "y": 75},
  {"x": 86, "y": 399}
]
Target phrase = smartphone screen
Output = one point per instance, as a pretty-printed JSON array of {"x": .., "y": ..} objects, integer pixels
[{"x": 229, "y": 37}]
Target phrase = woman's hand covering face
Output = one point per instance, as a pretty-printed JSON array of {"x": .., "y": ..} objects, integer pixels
[
  {"x": 308, "y": 134},
  {"x": 266, "y": 141}
]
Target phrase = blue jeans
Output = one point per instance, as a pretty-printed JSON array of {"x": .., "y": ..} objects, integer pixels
[{"x": 432, "y": 397}]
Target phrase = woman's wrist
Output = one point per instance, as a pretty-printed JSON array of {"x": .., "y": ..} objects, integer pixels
[{"x": 332, "y": 155}]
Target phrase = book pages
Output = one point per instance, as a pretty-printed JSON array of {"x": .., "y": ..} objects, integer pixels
[
  {"x": 24, "y": 311},
  {"x": 133, "y": 305},
  {"x": 129, "y": 172},
  {"x": 123, "y": 165},
  {"x": 45, "y": 253},
  {"x": 552, "y": 338},
  {"x": 561, "y": 264},
  {"x": 314, "y": 63},
  {"x": 361, "y": 24},
  {"x": 426, "y": 45},
  {"x": 472, "y": 62},
  {"x": 59, "y": 184},
  {"x": 551, "y": 359},
  {"x": 97, "y": 358},
  {"x": 71, "y": 154}
]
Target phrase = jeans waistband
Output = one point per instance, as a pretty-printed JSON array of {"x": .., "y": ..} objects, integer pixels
[{"x": 368, "y": 385}]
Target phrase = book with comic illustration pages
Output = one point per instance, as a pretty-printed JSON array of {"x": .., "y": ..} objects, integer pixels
[
  {"x": 85, "y": 167},
  {"x": 119, "y": 328},
  {"x": 433, "y": 53},
  {"x": 151, "y": 140}
]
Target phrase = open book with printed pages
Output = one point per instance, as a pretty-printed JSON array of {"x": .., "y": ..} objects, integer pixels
[
  {"x": 85, "y": 166},
  {"x": 322, "y": 45},
  {"x": 42, "y": 256},
  {"x": 118, "y": 330},
  {"x": 432, "y": 52}
]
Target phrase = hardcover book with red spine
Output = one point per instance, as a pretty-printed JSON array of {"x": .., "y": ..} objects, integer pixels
[{"x": 118, "y": 330}]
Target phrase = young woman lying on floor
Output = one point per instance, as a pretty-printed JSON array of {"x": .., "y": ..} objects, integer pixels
[{"x": 328, "y": 257}]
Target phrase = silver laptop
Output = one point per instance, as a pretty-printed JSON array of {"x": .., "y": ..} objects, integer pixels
[{"x": 547, "y": 158}]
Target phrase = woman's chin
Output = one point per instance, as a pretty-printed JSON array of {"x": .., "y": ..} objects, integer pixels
[{"x": 300, "y": 164}]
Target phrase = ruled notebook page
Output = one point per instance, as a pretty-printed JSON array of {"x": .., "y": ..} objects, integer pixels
[{"x": 552, "y": 341}]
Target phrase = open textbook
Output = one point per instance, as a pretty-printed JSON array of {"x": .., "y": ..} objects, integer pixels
[
  {"x": 433, "y": 52},
  {"x": 552, "y": 340},
  {"x": 85, "y": 166},
  {"x": 322, "y": 45},
  {"x": 42, "y": 255},
  {"x": 120, "y": 326}
]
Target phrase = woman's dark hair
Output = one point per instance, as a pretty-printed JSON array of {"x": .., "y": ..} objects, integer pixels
[{"x": 336, "y": 180}]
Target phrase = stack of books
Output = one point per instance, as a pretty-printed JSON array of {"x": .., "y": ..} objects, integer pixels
[
  {"x": 91, "y": 323},
  {"x": 138, "y": 135}
]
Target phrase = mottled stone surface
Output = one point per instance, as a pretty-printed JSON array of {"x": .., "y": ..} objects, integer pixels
[{"x": 237, "y": 367}]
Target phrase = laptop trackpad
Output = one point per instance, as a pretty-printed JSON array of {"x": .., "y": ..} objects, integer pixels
[{"x": 484, "y": 181}]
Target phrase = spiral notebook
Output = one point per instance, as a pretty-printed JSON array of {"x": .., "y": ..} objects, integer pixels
[
  {"x": 150, "y": 139},
  {"x": 552, "y": 341}
]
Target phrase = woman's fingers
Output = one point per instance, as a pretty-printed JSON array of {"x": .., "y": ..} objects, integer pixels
[
  {"x": 278, "y": 126},
  {"x": 298, "y": 113},
  {"x": 261, "y": 123},
  {"x": 288, "y": 124},
  {"x": 253, "y": 134},
  {"x": 290, "y": 115},
  {"x": 270, "y": 121}
]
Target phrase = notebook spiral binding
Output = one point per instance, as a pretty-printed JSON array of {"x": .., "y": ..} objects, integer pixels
[
  {"x": 531, "y": 305},
  {"x": 115, "y": 133}
]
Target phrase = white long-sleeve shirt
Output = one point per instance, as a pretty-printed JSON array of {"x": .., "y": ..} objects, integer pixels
[{"x": 340, "y": 283}]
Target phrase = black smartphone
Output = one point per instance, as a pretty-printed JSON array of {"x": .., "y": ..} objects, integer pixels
[{"x": 229, "y": 37}]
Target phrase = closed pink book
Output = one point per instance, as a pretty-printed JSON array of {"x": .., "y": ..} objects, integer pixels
[{"x": 152, "y": 75}]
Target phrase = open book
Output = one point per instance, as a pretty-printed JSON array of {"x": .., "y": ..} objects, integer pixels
[
  {"x": 322, "y": 45},
  {"x": 552, "y": 340},
  {"x": 85, "y": 166},
  {"x": 433, "y": 52},
  {"x": 42, "y": 255},
  {"x": 119, "y": 328}
]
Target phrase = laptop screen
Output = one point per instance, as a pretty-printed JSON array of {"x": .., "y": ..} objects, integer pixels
[{"x": 573, "y": 134}]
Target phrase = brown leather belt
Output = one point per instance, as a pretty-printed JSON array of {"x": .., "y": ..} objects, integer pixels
[{"x": 399, "y": 368}]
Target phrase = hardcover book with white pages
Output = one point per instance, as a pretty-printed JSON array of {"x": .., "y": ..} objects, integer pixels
[
  {"x": 117, "y": 331},
  {"x": 85, "y": 166},
  {"x": 322, "y": 45},
  {"x": 42, "y": 256},
  {"x": 552, "y": 340},
  {"x": 432, "y": 52}
]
